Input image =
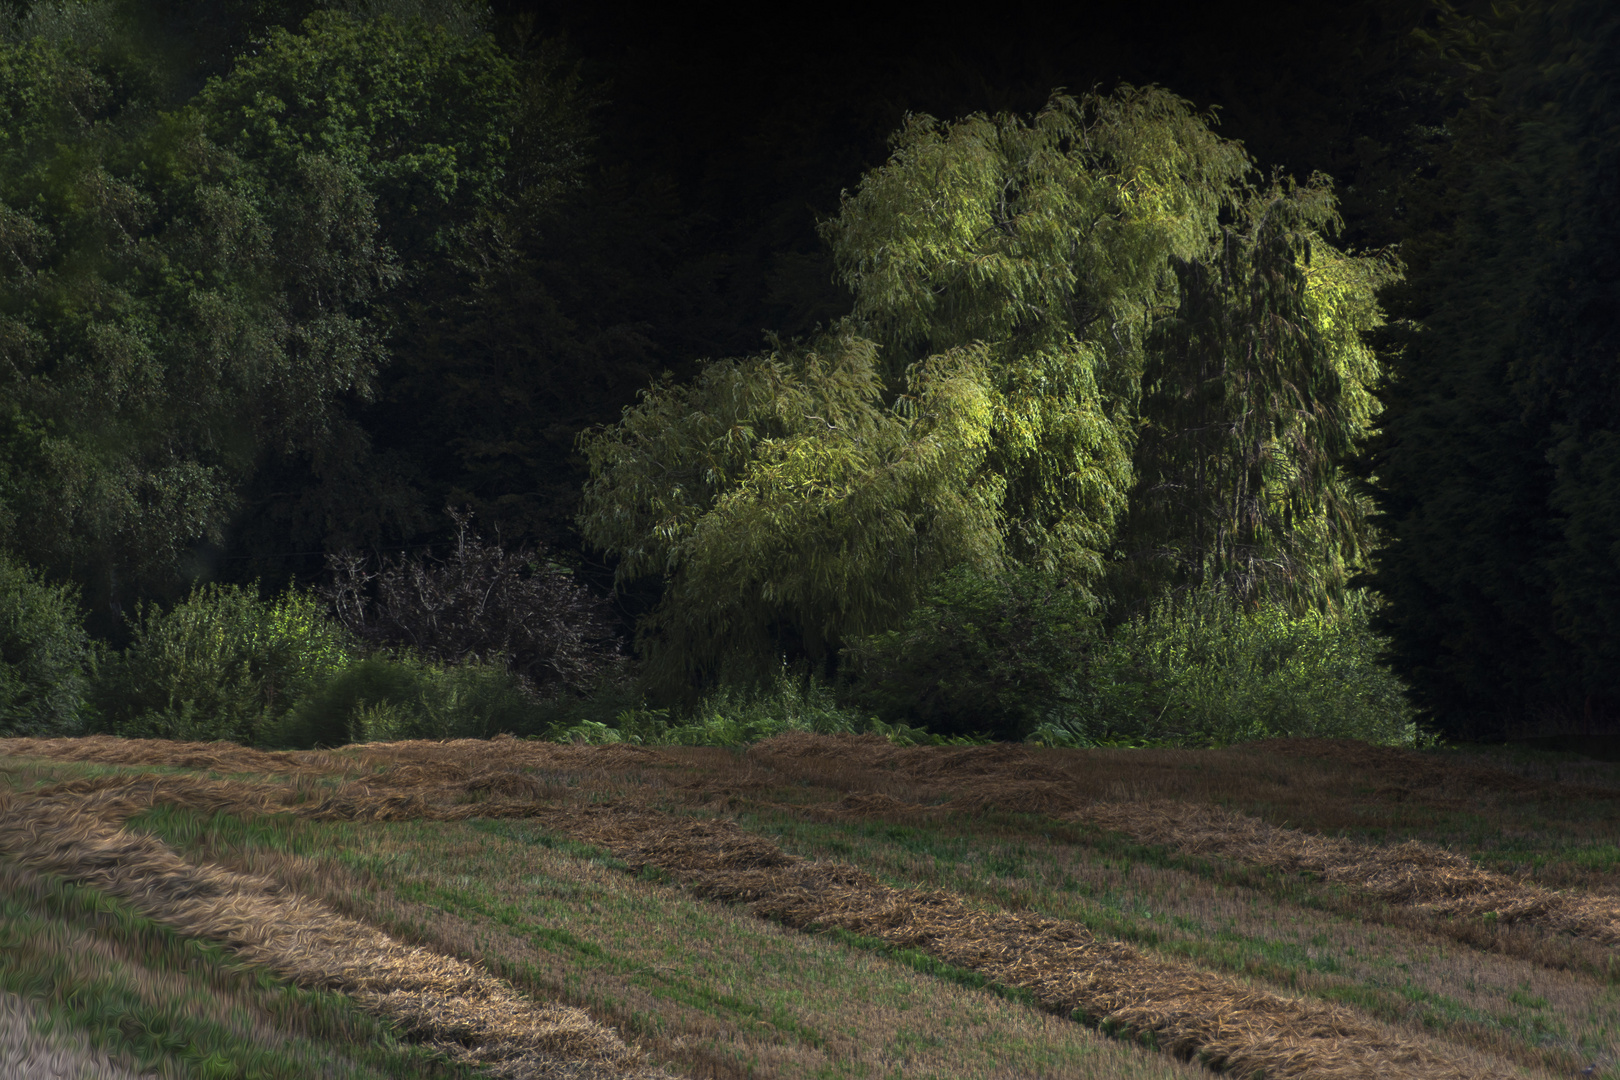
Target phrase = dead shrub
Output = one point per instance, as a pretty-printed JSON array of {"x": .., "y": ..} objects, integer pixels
[{"x": 482, "y": 604}]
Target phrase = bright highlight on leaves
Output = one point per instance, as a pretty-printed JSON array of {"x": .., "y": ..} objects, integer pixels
[{"x": 1058, "y": 345}]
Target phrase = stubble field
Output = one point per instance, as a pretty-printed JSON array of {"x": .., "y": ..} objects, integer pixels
[{"x": 812, "y": 907}]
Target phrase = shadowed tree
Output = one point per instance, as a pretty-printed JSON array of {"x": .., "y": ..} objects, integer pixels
[
  {"x": 1256, "y": 390},
  {"x": 1497, "y": 465},
  {"x": 200, "y": 297}
]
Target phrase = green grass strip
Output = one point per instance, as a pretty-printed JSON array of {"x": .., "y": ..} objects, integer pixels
[{"x": 147, "y": 995}]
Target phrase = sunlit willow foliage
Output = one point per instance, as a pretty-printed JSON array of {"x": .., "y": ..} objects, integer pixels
[
  {"x": 1036, "y": 303},
  {"x": 189, "y": 290},
  {"x": 785, "y": 494}
]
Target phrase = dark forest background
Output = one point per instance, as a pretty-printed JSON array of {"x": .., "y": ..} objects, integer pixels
[{"x": 657, "y": 202}]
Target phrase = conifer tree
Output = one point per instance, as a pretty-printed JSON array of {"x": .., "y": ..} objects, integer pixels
[
  {"x": 1495, "y": 469},
  {"x": 1256, "y": 390}
]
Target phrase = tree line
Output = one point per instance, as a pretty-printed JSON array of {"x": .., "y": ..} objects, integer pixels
[{"x": 283, "y": 284}]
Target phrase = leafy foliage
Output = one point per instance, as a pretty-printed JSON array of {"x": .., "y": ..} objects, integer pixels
[
  {"x": 279, "y": 285},
  {"x": 732, "y": 716},
  {"x": 1045, "y": 241},
  {"x": 401, "y": 696},
  {"x": 220, "y": 664},
  {"x": 482, "y": 605},
  {"x": 1202, "y": 672},
  {"x": 421, "y": 117},
  {"x": 781, "y": 492},
  {"x": 44, "y": 653},
  {"x": 196, "y": 297},
  {"x": 170, "y": 311},
  {"x": 982, "y": 404},
  {"x": 999, "y": 655}
]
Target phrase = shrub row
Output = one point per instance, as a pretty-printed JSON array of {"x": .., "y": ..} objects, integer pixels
[{"x": 1021, "y": 657}]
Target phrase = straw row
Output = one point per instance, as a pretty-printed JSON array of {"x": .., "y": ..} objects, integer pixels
[
  {"x": 453, "y": 1005},
  {"x": 1412, "y": 873},
  {"x": 1188, "y": 1012}
]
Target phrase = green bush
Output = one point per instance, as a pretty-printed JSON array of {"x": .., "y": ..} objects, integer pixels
[
  {"x": 221, "y": 664},
  {"x": 1206, "y": 674},
  {"x": 44, "y": 655},
  {"x": 1003, "y": 656},
  {"x": 729, "y": 716},
  {"x": 401, "y": 696},
  {"x": 739, "y": 717}
]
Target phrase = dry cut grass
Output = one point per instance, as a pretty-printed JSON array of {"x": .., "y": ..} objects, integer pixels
[
  {"x": 460, "y": 1009},
  {"x": 705, "y": 987},
  {"x": 1191, "y": 1012},
  {"x": 1069, "y": 786},
  {"x": 26, "y": 1050},
  {"x": 1412, "y": 873}
]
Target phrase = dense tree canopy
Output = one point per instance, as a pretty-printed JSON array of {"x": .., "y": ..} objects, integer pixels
[
  {"x": 171, "y": 310},
  {"x": 279, "y": 280},
  {"x": 195, "y": 294},
  {"x": 1013, "y": 287},
  {"x": 1496, "y": 466}
]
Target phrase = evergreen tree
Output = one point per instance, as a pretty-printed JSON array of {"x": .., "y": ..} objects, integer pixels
[
  {"x": 1495, "y": 469},
  {"x": 1256, "y": 389}
]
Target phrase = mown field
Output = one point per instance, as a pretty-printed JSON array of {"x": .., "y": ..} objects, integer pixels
[{"x": 814, "y": 906}]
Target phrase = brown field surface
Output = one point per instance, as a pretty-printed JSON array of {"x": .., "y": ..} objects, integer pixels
[{"x": 823, "y": 906}]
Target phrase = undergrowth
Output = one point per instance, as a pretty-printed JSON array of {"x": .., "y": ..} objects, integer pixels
[{"x": 1019, "y": 658}]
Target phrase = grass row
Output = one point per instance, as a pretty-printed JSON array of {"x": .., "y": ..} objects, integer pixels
[
  {"x": 704, "y": 986},
  {"x": 153, "y": 1000},
  {"x": 717, "y": 992},
  {"x": 1277, "y": 928}
]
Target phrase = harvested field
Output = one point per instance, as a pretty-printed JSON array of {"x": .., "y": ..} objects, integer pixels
[
  {"x": 447, "y": 1002},
  {"x": 1412, "y": 873},
  {"x": 654, "y": 811},
  {"x": 26, "y": 1050},
  {"x": 1186, "y": 1012}
]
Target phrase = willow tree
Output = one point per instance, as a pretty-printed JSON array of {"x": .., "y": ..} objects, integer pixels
[
  {"x": 787, "y": 502},
  {"x": 980, "y": 404},
  {"x": 1047, "y": 242}
]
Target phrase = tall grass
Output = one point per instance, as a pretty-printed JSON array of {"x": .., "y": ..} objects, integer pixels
[
  {"x": 401, "y": 696},
  {"x": 731, "y": 716}
]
